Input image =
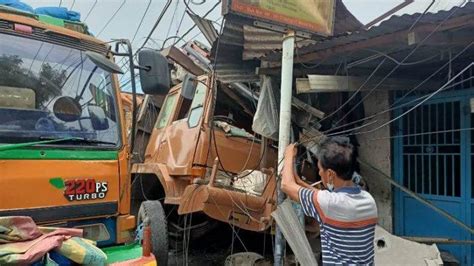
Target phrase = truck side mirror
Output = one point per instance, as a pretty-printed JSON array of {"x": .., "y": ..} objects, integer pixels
[
  {"x": 189, "y": 86},
  {"x": 154, "y": 72},
  {"x": 104, "y": 63},
  {"x": 67, "y": 109}
]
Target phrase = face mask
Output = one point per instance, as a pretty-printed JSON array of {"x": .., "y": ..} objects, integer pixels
[{"x": 330, "y": 187}]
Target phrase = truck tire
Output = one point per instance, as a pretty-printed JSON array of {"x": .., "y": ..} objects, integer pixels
[{"x": 153, "y": 210}]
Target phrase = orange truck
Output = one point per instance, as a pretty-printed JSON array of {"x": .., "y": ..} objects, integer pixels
[
  {"x": 64, "y": 154},
  {"x": 202, "y": 159}
]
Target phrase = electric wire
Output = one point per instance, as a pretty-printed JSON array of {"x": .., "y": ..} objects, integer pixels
[
  {"x": 354, "y": 94},
  {"x": 436, "y": 72},
  {"x": 392, "y": 107},
  {"x": 397, "y": 66},
  {"x": 72, "y": 5},
  {"x": 173, "y": 16},
  {"x": 159, "y": 19},
  {"x": 233, "y": 230},
  {"x": 194, "y": 26},
  {"x": 136, "y": 33},
  {"x": 141, "y": 21},
  {"x": 400, "y": 63},
  {"x": 111, "y": 18},
  {"x": 181, "y": 21},
  {"x": 424, "y": 133},
  {"x": 198, "y": 3},
  {"x": 380, "y": 113},
  {"x": 157, "y": 22},
  {"x": 418, "y": 104},
  {"x": 419, "y": 17},
  {"x": 90, "y": 10},
  {"x": 422, "y": 99},
  {"x": 189, "y": 8}
]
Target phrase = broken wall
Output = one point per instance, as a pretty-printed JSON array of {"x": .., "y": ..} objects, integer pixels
[{"x": 375, "y": 150}]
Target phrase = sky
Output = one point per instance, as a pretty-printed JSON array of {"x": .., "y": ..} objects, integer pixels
[
  {"x": 127, "y": 19},
  {"x": 128, "y": 14}
]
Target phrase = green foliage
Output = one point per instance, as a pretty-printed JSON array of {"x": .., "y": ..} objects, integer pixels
[{"x": 47, "y": 84}]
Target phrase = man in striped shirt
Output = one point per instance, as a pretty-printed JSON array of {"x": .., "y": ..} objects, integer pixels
[{"x": 346, "y": 214}]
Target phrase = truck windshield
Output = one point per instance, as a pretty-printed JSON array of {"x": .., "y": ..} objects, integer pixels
[{"x": 34, "y": 75}]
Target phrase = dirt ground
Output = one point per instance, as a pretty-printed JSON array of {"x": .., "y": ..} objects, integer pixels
[{"x": 215, "y": 246}]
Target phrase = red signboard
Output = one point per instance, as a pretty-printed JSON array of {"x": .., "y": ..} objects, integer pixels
[{"x": 313, "y": 16}]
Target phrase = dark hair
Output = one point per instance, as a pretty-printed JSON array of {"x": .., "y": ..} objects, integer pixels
[{"x": 336, "y": 153}]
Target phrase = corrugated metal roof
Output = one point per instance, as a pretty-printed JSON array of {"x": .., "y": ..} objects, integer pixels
[
  {"x": 394, "y": 24},
  {"x": 240, "y": 41},
  {"x": 229, "y": 66},
  {"x": 257, "y": 42},
  {"x": 206, "y": 27}
]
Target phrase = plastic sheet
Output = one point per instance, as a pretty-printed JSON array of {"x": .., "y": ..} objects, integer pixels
[
  {"x": 265, "y": 121},
  {"x": 59, "y": 12},
  {"x": 17, "y": 4}
]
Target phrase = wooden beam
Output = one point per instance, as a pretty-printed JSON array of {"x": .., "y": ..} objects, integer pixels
[
  {"x": 183, "y": 60},
  {"x": 306, "y": 107},
  {"x": 237, "y": 99},
  {"x": 330, "y": 83}
]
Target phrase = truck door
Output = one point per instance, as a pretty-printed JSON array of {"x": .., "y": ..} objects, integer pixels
[{"x": 180, "y": 129}]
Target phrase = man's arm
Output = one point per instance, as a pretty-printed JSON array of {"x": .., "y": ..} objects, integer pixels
[{"x": 290, "y": 182}]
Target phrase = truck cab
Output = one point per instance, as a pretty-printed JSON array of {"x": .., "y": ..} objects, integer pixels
[
  {"x": 64, "y": 157},
  {"x": 203, "y": 158}
]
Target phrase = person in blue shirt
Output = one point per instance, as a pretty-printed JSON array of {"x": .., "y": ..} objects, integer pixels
[{"x": 346, "y": 214}]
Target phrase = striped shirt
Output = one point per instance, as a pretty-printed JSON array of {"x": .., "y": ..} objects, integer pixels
[{"x": 347, "y": 219}]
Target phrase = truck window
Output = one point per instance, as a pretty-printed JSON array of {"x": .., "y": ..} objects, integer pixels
[
  {"x": 184, "y": 108},
  {"x": 166, "y": 111},
  {"x": 34, "y": 75},
  {"x": 197, "y": 105}
]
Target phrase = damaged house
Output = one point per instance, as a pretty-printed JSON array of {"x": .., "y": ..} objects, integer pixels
[{"x": 402, "y": 91}]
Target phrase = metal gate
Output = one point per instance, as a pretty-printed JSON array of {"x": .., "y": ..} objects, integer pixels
[{"x": 434, "y": 159}]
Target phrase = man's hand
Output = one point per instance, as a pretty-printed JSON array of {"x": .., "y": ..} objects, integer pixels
[
  {"x": 288, "y": 180},
  {"x": 289, "y": 169},
  {"x": 290, "y": 151}
]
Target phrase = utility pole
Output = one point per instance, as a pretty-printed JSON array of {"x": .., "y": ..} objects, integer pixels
[{"x": 285, "y": 127}]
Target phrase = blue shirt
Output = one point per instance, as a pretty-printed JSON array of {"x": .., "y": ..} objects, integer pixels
[{"x": 347, "y": 219}]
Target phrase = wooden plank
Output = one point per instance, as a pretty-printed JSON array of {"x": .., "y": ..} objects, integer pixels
[
  {"x": 330, "y": 83},
  {"x": 183, "y": 60},
  {"x": 306, "y": 107}
]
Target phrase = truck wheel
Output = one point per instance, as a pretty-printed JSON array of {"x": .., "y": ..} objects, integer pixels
[{"x": 153, "y": 210}]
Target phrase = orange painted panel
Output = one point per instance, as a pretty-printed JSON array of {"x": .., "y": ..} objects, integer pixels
[{"x": 48, "y": 183}]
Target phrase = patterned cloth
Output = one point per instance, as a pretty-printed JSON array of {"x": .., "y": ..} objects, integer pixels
[
  {"x": 23, "y": 243},
  {"x": 347, "y": 219}
]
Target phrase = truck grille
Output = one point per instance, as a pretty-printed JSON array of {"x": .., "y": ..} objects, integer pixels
[{"x": 54, "y": 38}]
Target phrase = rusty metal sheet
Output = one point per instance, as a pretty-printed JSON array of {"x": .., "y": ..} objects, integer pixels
[
  {"x": 235, "y": 207},
  {"x": 206, "y": 27},
  {"x": 394, "y": 24},
  {"x": 294, "y": 233},
  {"x": 256, "y": 42}
]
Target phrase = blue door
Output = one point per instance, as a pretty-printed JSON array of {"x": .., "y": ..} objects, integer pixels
[{"x": 434, "y": 159}]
